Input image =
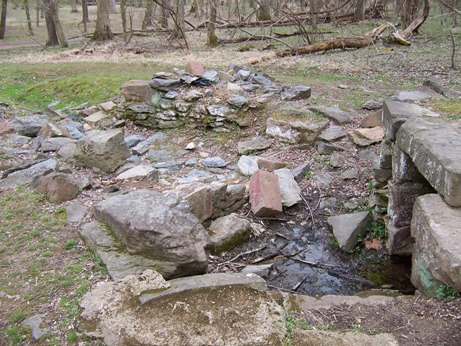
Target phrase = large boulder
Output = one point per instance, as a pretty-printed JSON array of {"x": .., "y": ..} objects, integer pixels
[
  {"x": 212, "y": 309},
  {"x": 265, "y": 197},
  {"x": 437, "y": 250},
  {"x": 158, "y": 226},
  {"x": 27, "y": 175},
  {"x": 105, "y": 150}
]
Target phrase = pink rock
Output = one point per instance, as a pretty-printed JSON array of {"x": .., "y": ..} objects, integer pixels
[
  {"x": 5, "y": 128},
  {"x": 195, "y": 68},
  {"x": 265, "y": 198}
]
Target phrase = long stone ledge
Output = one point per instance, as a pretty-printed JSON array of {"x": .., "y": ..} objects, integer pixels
[{"x": 435, "y": 148}]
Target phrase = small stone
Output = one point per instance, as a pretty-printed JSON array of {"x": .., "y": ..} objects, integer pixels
[
  {"x": 238, "y": 101},
  {"x": 298, "y": 92},
  {"x": 190, "y": 146},
  {"x": 247, "y": 165},
  {"x": 366, "y": 137},
  {"x": 93, "y": 119},
  {"x": 211, "y": 76},
  {"x": 333, "y": 133},
  {"x": 252, "y": 145},
  {"x": 271, "y": 165},
  {"x": 227, "y": 232},
  {"x": 336, "y": 115},
  {"x": 337, "y": 160},
  {"x": 192, "y": 96},
  {"x": 350, "y": 174},
  {"x": 372, "y": 105},
  {"x": 234, "y": 88},
  {"x": 171, "y": 95},
  {"x": 133, "y": 140},
  {"x": 5, "y": 128},
  {"x": 327, "y": 148},
  {"x": 107, "y": 106},
  {"x": 195, "y": 68},
  {"x": 300, "y": 171},
  {"x": 323, "y": 180},
  {"x": 218, "y": 111},
  {"x": 214, "y": 162},
  {"x": 141, "y": 171},
  {"x": 373, "y": 119}
]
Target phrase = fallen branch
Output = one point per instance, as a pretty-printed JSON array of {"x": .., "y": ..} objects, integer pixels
[
  {"x": 298, "y": 285},
  {"x": 315, "y": 264},
  {"x": 242, "y": 254},
  {"x": 369, "y": 39}
]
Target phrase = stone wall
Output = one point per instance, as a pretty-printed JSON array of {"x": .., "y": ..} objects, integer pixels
[{"x": 420, "y": 158}]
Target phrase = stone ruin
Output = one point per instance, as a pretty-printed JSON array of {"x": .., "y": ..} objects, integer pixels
[{"x": 417, "y": 188}]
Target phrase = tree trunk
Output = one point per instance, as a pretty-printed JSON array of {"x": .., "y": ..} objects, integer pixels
[
  {"x": 212, "y": 40},
  {"x": 3, "y": 19},
  {"x": 123, "y": 15},
  {"x": 409, "y": 12},
  {"x": 73, "y": 6},
  {"x": 165, "y": 13},
  {"x": 57, "y": 24},
  {"x": 102, "y": 31},
  {"x": 148, "y": 15},
  {"x": 359, "y": 13},
  {"x": 50, "y": 25},
  {"x": 29, "y": 20},
  {"x": 85, "y": 18},
  {"x": 264, "y": 10},
  {"x": 112, "y": 7},
  {"x": 179, "y": 25}
]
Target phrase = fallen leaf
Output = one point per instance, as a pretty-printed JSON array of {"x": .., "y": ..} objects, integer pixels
[{"x": 374, "y": 244}]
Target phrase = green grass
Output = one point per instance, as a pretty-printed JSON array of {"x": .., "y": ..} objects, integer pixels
[
  {"x": 36, "y": 86},
  {"x": 43, "y": 264}
]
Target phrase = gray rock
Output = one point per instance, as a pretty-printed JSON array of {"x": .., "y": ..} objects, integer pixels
[
  {"x": 247, "y": 165},
  {"x": 54, "y": 144},
  {"x": 133, "y": 140},
  {"x": 298, "y": 92},
  {"x": 143, "y": 147},
  {"x": 262, "y": 79},
  {"x": 415, "y": 95},
  {"x": 171, "y": 95},
  {"x": 75, "y": 211},
  {"x": 336, "y": 115},
  {"x": 333, "y": 133},
  {"x": 399, "y": 241},
  {"x": 162, "y": 84},
  {"x": 253, "y": 145},
  {"x": 234, "y": 88},
  {"x": 172, "y": 164},
  {"x": 337, "y": 160},
  {"x": 295, "y": 131},
  {"x": 367, "y": 154},
  {"x": 395, "y": 113},
  {"x": 238, "y": 101},
  {"x": 249, "y": 87},
  {"x": 435, "y": 148},
  {"x": 118, "y": 262},
  {"x": 211, "y": 75},
  {"x": 146, "y": 222},
  {"x": 27, "y": 175},
  {"x": 58, "y": 187},
  {"x": 211, "y": 309},
  {"x": 350, "y": 174},
  {"x": 348, "y": 227},
  {"x": 300, "y": 171},
  {"x": 200, "y": 198},
  {"x": 218, "y": 111},
  {"x": 75, "y": 129},
  {"x": 243, "y": 74},
  {"x": 141, "y": 171},
  {"x": 34, "y": 323},
  {"x": 437, "y": 252},
  {"x": 214, "y": 162},
  {"x": 316, "y": 337},
  {"x": 18, "y": 139},
  {"x": 68, "y": 151},
  {"x": 323, "y": 180},
  {"x": 435, "y": 85},
  {"x": 195, "y": 175},
  {"x": 105, "y": 150},
  {"x": 227, "y": 198},
  {"x": 159, "y": 155},
  {"x": 28, "y": 126},
  {"x": 275, "y": 89},
  {"x": 372, "y": 105},
  {"x": 227, "y": 232},
  {"x": 327, "y": 148},
  {"x": 289, "y": 189}
]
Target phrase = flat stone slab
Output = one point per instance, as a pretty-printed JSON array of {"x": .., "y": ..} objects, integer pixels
[
  {"x": 26, "y": 175},
  {"x": 435, "y": 148},
  {"x": 437, "y": 250},
  {"x": 395, "y": 113},
  {"x": 214, "y": 280},
  {"x": 348, "y": 227},
  {"x": 338, "y": 116}
]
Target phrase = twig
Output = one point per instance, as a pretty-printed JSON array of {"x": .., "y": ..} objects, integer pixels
[
  {"x": 280, "y": 288},
  {"x": 310, "y": 210},
  {"x": 295, "y": 287},
  {"x": 278, "y": 234},
  {"x": 453, "y": 45},
  {"x": 264, "y": 258},
  {"x": 242, "y": 254},
  {"x": 315, "y": 264}
]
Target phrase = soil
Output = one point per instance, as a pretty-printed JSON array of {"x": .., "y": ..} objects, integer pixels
[{"x": 413, "y": 321}]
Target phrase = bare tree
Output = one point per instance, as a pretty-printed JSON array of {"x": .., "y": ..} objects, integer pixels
[
  {"x": 53, "y": 25},
  {"x": 359, "y": 13},
  {"x": 165, "y": 13},
  {"x": 29, "y": 21},
  {"x": 102, "y": 31},
  {"x": 212, "y": 40},
  {"x": 264, "y": 10},
  {"x": 409, "y": 12},
  {"x": 149, "y": 15},
  {"x": 85, "y": 17},
  {"x": 3, "y": 19},
  {"x": 73, "y": 6},
  {"x": 179, "y": 30}
]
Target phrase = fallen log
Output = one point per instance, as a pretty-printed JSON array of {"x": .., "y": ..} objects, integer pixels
[{"x": 342, "y": 43}]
